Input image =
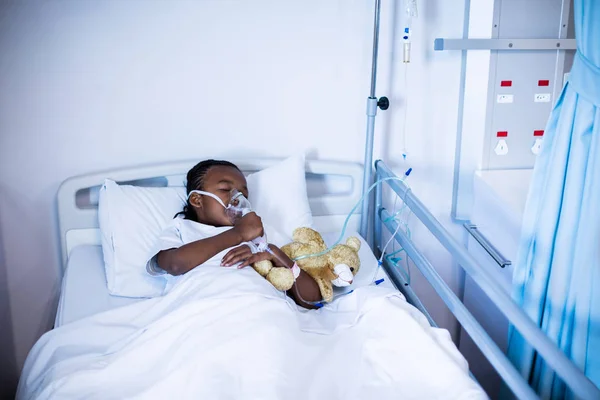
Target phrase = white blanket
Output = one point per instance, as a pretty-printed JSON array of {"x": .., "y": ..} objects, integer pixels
[{"x": 223, "y": 333}]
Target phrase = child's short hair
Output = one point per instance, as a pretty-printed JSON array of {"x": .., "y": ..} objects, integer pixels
[{"x": 195, "y": 181}]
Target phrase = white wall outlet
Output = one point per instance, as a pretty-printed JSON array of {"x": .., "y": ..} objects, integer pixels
[
  {"x": 501, "y": 148},
  {"x": 505, "y": 98},
  {"x": 537, "y": 147},
  {"x": 542, "y": 98}
]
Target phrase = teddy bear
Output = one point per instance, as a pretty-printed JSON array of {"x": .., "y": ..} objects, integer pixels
[{"x": 336, "y": 267}]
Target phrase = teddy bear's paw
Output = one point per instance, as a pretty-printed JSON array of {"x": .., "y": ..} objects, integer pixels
[
  {"x": 281, "y": 278},
  {"x": 327, "y": 294},
  {"x": 263, "y": 267}
]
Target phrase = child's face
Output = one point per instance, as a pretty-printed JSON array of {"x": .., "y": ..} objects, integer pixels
[{"x": 219, "y": 180}]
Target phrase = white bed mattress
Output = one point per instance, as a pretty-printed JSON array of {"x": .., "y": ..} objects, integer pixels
[{"x": 84, "y": 292}]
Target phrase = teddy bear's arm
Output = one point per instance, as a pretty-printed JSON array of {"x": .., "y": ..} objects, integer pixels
[{"x": 325, "y": 288}]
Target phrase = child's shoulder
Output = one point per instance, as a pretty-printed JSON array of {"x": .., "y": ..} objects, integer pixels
[
  {"x": 191, "y": 231},
  {"x": 179, "y": 224},
  {"x": 197, "y": 228}
]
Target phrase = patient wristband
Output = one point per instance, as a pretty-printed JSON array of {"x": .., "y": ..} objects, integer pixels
[{"x": 295, "y": 270}]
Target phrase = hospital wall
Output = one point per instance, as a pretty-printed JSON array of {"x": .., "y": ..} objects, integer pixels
[{"x": 93, "y": 85}]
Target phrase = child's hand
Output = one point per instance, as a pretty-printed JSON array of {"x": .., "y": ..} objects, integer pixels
[
  {"x": 249, "y": 227},
  {"x": 276, "y": 256},
  {"x": 262, "y": 256},
  {"x": 236, "y": 255}
]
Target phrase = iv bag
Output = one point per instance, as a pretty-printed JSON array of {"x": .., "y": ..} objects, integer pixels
[{"x": 411, "y": 9}]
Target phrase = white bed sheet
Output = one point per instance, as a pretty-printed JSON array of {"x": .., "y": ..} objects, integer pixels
[
  {"x": 222, "y": 333},
  {"x": 84, "y": 292}
]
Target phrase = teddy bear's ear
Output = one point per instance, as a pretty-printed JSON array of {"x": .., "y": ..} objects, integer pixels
[{"x": 353, "y": 242}]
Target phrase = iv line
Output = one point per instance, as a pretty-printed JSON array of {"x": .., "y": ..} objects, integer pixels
[
  {"x": 403, "y": 134},
  {"x": 345, "y": 226}
]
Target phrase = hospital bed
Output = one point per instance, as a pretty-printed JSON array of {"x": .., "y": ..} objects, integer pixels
[
  {"x": 333, "y": 190},
  {"x": 88, "y": 314}
]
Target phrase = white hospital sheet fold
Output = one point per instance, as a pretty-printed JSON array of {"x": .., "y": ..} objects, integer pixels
[{"x": 223, "y": 333}]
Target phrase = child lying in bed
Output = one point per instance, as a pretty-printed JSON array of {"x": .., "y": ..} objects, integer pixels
[{"x": 204, "y": 232}]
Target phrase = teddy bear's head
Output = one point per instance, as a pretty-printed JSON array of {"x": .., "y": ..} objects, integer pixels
[{"x": 345, "y": 262}]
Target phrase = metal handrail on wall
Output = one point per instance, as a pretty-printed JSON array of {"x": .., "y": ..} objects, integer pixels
[{"x": 573, "y": 377}]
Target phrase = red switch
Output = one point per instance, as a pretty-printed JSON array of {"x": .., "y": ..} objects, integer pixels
[
  {"x": 506, "y": 83},
  {"x": 538, "y": 133},
  {"x": 502, "y": 134},
  {"x": 544, "y": 82}
]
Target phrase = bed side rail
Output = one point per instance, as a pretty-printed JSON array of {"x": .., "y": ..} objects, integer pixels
[{"x": 573, "y": 377}]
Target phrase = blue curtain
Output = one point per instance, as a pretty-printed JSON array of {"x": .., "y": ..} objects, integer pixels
[{"x": 557, "y": 272}]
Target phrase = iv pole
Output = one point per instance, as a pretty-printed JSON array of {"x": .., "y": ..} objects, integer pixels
[{"x": 372, "y": 105}]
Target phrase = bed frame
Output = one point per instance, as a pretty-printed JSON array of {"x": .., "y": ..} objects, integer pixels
[{"x": 573, "y": 377}]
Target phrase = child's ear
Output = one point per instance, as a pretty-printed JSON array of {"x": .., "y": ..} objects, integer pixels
[{"x": 196, "y": 200}]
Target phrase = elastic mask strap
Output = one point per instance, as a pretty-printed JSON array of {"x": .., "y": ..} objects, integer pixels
[{"x": 214, "y": 196}]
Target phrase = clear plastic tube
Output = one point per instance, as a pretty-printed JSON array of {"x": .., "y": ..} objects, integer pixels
[
  {"x": 405, "y": 117},
  {"x": 406, "y": 52},
  {"x": 345, "y": 226}
]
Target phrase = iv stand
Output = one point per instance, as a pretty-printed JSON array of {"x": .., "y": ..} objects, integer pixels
[{"x": 372, "y": 104}]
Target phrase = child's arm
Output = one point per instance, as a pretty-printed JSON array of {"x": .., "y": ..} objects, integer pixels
[
  {"x": 180, "y": 260},
  {"x": 305, "y": 288}
]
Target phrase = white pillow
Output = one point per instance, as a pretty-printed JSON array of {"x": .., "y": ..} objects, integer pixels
[
  {"x": 279, "y": 195},
  {"x": 131, "y": 219}
]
